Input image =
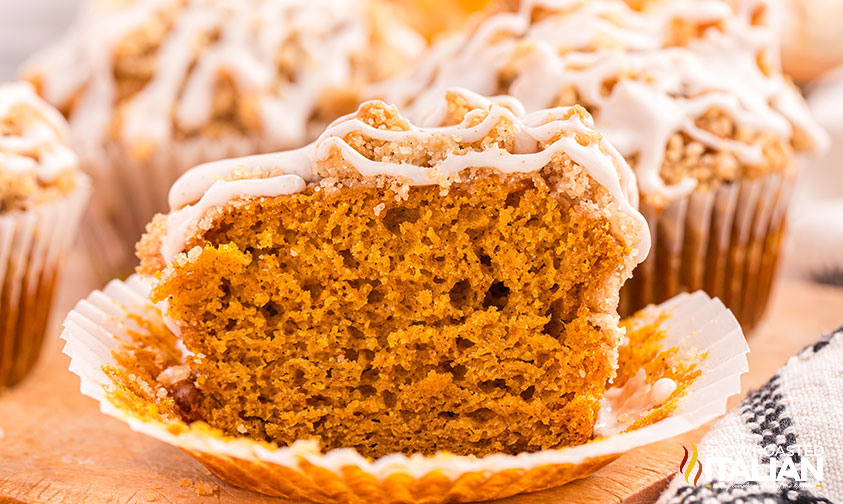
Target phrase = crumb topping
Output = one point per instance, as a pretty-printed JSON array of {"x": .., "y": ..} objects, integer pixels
[
  {"x": 690, "y": 92},
  {"x": 375, "y": 146},
  {"x": 36, "y": 165},
  {"x": 149, "y": 72}
]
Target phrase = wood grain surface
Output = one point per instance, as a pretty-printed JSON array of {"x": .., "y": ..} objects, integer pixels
[{"x": 55, "y": 446}]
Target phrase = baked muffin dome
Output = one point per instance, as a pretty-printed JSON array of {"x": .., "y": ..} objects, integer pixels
[
  {"x": 692, "y": 95},
  {"x": 36, "y": 164},
  {"x": 154, "y": 87},
  {"x": 437, "y": 18},
  {"x": 690, "y": 92},
  {"x": 148, "y": 73},
  {"x": 393, "y": 288}
]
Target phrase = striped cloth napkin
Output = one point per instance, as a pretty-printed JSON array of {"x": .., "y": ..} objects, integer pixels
[{"x": 784, "y": 443}]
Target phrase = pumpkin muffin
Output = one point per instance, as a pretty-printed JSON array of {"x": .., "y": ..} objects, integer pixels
[
  {"x": 154, "y": 87},
  {"x": 42, "y": 194},
  {"x": 393, "y": 288},
  {"x": 692, "y": 95}
]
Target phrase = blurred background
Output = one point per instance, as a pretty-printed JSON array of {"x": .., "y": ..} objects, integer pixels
[{"x": 27, "y": 26}]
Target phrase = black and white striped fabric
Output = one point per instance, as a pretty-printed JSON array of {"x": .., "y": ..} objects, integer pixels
[{"x": 794, "y": 423}]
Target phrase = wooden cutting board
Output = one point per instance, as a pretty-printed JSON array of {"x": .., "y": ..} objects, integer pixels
[{"x": 55, "y": 446}]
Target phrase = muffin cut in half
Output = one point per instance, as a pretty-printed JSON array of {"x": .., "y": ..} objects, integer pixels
[{"x": 392, "y": 288}]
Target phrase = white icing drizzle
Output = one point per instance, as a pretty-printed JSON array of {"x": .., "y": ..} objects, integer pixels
[
  {"x": 660, "y": 90},
  {"x": 245, "y": 38},
  {"x": 220, "y": 193},
  {"x": 40, "y": 148},
  {"x": 205, "y": 187},
  {"x": 622, "y": 406}
]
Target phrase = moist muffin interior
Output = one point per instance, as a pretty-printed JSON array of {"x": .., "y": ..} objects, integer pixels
[
  {"x": 429, "y": 327},
  {"x": 474, "y": 317},
  {"x": 151, "y": 358}
]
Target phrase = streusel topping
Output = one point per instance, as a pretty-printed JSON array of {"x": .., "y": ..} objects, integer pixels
[
  {"x": 36, "y": 165},
  {"x": 375, "y": 145},
  {"x": 149, "y": 72},
  {"x": 689, "y": 91}
]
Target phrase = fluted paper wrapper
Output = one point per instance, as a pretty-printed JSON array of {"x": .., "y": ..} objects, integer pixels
[
  {"x": 694, "y": 323},
  {"x": 32, "y": 244},
  {"x": 130, "y": 191},
  {"x": 724, "y": 241}
]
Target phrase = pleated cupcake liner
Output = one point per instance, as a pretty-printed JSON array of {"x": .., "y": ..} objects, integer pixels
[
  {"x": 726, "y": 241},
  {"x": 32, "y": 245},
  {"x": 109, "y": 319}
]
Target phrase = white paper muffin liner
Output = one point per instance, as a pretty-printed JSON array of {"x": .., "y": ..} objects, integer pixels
[
  {"x": 725, "y": 241},
  {"x": 696, "y": 323},
  {"x": 32, "y": 245}
]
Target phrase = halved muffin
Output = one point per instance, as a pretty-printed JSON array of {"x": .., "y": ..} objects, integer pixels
[{"x": 393, "y": 288}]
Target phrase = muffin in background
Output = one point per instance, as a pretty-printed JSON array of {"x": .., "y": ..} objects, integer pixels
[
  {"x": 808, "y": 32},
  {"x": 42, "y": 196},
  {"x": 690, "y": 92},
  {"x": 153, "y": 87}
]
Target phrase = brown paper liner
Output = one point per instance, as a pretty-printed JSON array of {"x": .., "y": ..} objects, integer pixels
[
  {"x": 107, "y": 320},
  {"x": 32, "y": 245},
  {"x": 725, "y": 242}
]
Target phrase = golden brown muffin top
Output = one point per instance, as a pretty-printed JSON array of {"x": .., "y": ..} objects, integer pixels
[
  {"x": 146, "y": 73},
  {"x": 36, "y": 165},
  {"x": 689, "y": 91},
  {"x": 435, "y": 19}
]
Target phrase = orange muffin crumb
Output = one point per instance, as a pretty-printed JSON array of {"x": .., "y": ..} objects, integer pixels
[
  {"x": 474, "y": 315},
  {"x": 644, "y": 349}
]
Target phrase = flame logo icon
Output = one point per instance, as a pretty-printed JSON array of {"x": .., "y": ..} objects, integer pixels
[{"x": 686, "y": 467}]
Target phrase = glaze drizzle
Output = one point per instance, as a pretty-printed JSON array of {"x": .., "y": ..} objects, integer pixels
[
  {"x": 205, "y": 186},
  {"x": 36, "y": 142},
  {"x": 658, "y": 88}
]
